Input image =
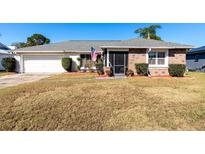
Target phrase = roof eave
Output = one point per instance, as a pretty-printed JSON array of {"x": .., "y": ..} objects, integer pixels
[
  {"x": 49, "y": 51},
  {"x": 142, "y": 47},
  {"x": 40, "y": 51}
]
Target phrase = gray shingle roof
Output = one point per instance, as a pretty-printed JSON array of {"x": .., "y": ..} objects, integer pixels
[
  {"x": 197, "y": 50},
  {"x": 85, "y": 45},
  {"x": 3, "y": 47}
]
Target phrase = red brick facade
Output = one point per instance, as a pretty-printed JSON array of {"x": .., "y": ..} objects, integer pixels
[
  {"x": 159, "y": 71},
  {"x": 136, "y": 56},
  {"x": 175, "y": 56}
]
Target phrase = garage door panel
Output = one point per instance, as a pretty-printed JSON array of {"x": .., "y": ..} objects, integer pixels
[{"x": 43, "y": 64}]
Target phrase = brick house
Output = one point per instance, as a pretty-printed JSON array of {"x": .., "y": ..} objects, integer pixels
[
  {"x": 158, "y": 54},
  {"x": 120, "y": 55}
]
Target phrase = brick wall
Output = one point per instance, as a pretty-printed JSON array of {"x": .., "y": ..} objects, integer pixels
[
  {"x": 136, "y": 56},
  {"x": 159, "y": 71},
  {"x": 177, "y": 56}
]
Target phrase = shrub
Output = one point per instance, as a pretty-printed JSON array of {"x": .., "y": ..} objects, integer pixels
[
  {"x": 129, "y": 73},
  {"x": 142, "y": 69},
  {"x": 67, "y": 63},
  {"x": 99, "y": 68},
  {"x": 192, "y": 70},
  {"x": 9, "y": 64},
  {"x": 78, "y": 67},
  {"x": 109, "y": 72},
  {"x": 79, "y": 59},
  {"x": 89, "y": 64},
  {"x": 177, "y": 70},
  {"x": 99, "y": 60}
]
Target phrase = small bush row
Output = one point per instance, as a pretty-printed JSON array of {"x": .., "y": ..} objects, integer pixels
[{"x": 177, "y": 70}]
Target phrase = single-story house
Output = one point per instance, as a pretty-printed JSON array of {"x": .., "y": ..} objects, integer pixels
[
  {"x": 118, "y": 54},
  {"x": 4, "y": 52},
  {"x": 196, "y": 59}
]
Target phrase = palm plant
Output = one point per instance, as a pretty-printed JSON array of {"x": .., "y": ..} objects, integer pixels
[{"x": 149, "y": 32}]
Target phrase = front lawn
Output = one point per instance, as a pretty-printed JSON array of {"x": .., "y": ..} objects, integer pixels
[
  {"x": 80, "y": 102},
  {"x": 3, "y": 73}
]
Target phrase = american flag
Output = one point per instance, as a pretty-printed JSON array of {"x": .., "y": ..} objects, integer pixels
[{"x": 94, "y": 54}]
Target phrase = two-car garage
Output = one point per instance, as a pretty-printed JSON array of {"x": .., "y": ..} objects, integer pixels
[{"x": 42, "y": 64}]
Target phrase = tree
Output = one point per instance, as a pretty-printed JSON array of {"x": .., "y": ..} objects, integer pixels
[
  {"x": 35, "y": 39},
  {"x": 149, "y": 32},
  {"x": 19, "y": 44}
]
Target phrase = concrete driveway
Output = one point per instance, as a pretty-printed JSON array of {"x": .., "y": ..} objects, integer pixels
[{"x": 16, "y": 79}]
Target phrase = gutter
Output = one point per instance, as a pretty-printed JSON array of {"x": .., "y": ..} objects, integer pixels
[
  {"x": 59, "y": 51},
  {"x": 120, "y": 47}
]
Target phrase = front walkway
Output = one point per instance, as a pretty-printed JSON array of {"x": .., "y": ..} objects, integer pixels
[{"x": 16, "y": 79}]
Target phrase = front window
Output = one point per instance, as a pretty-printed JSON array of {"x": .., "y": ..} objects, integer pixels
[
  {"x": 157, "y": 58},
  {"x": 84, "y": 59}
]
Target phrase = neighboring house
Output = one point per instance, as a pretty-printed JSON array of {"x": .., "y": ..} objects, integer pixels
[
  {"x": 196, "y": 59},
  {"x": 4, "y": 52},
  {"x": 118, "y": 54},
  {"x": 11, "y": 47}
]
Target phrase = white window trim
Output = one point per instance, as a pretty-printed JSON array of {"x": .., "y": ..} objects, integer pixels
[{"x": 158, "y": 66}]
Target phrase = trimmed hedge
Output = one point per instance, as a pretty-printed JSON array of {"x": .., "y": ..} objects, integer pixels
[
  {"x": 9, "y": 64},
  {"x": 67, "y": 63},
  {"x": 142, "y": 69},
  {"x": 177, "y": 70}
]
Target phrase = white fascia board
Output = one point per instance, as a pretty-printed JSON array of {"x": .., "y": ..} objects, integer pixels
[
  {"x": 119, "y": 47},
  {"x": 80, "y": 52},
  {"x": 38, "y": 51}
]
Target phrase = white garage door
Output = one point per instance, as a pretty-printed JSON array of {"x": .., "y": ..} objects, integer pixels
[{"x": 43, "y": 64}]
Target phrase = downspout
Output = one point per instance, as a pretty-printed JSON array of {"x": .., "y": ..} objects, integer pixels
[
  {"x": 103, "y": 56},
  {"x": 148, "y": 72},
  {"x": 107, "y": 58}
]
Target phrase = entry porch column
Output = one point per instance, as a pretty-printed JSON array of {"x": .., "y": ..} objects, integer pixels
[{"x": 107, "y": 59}]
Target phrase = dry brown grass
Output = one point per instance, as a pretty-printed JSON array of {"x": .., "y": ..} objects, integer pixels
[
  {"x": 3, "y": 73},
  {"x": 66, "y": 102}
]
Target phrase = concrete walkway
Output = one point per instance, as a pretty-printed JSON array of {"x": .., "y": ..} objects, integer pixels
[{"x": 16, "y": 79}]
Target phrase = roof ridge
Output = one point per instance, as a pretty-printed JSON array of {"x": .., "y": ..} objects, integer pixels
[{"x": 86, "y": 44}]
